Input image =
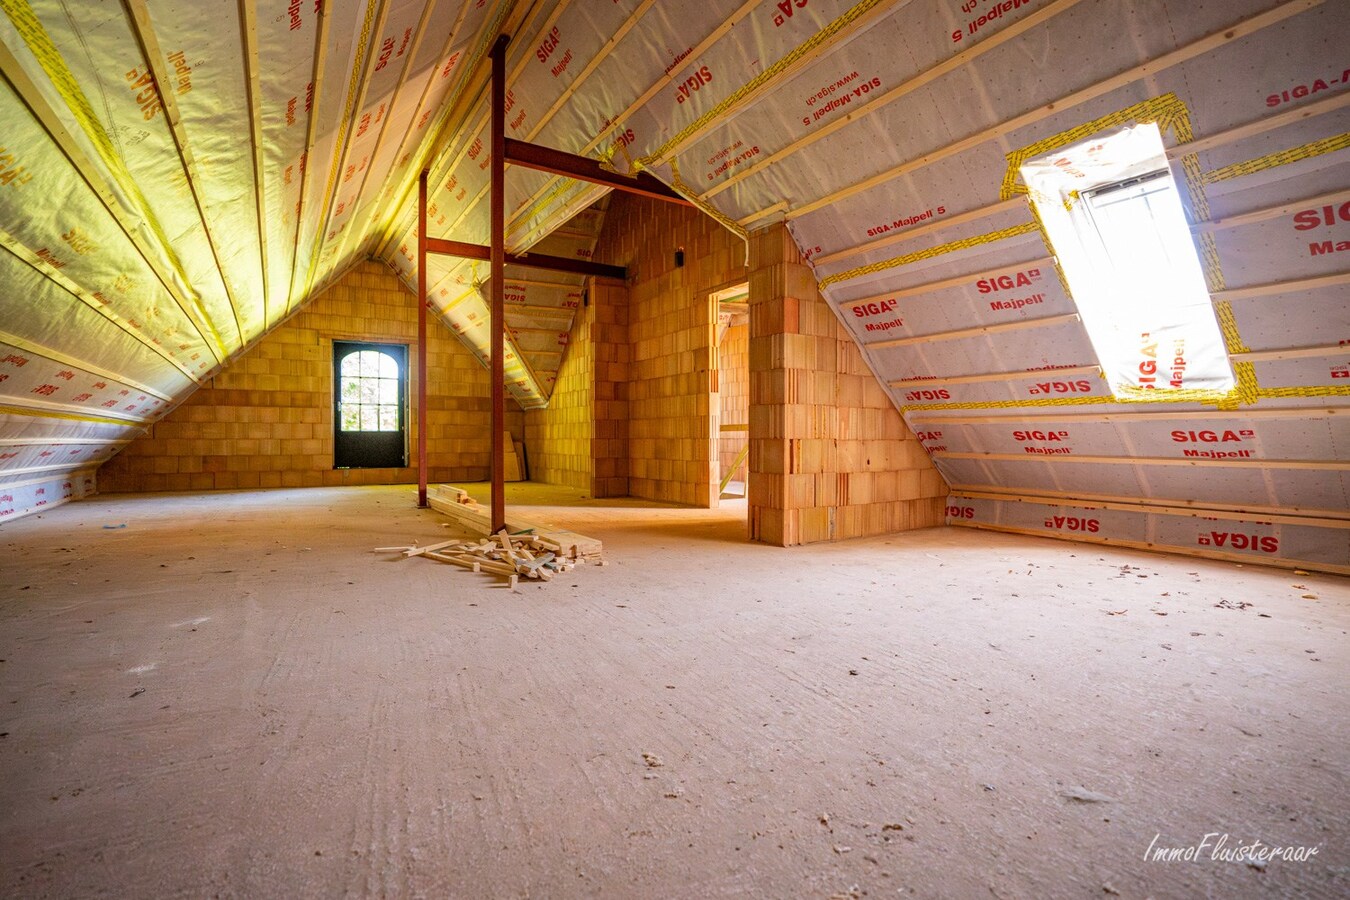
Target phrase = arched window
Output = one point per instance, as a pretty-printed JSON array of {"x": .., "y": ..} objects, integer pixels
[
  {"x": 369, "y": 395},
  {"x": 369, "y": 405}
]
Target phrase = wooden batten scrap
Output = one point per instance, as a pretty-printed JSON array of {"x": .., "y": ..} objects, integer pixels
[
  {"x": 519, "y": 550},
  {"x": 418, "y": 551},
  {"x": 464, "y": 561},
  {"x": 507, "y": 547},
  {"x": 535, "y": 567}
]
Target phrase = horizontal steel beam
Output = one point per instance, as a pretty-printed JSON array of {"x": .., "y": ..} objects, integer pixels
[
  {"x": 465, "y": 250},
  {"x": 583, "y": 168}
]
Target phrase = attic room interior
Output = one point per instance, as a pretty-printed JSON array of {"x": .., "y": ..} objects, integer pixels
[{"x": 785, "y": 448}]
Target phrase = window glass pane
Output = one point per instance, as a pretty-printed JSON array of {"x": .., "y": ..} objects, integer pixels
[
  {"x": 370, "y": 398},
  {"x": 1113, "y": 211}
]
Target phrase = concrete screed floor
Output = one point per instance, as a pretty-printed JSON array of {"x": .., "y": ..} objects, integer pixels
[{"x": 232, "y": 696}]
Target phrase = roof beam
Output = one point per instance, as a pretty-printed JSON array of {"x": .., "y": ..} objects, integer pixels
[
  {"x": 583, "y": 168},
  {"x": 465, "y": 250}
]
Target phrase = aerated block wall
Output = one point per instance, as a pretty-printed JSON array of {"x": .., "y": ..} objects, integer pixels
[
  {"x": 267, "y": 419},
  {"x": 672, "y": 436},
  {"x": 830, "y": 457}
]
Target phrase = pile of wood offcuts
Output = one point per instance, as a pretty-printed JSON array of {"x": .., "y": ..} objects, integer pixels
[
  {"x": 520, "y": 550},
  {"x": 512, "y": 557}
]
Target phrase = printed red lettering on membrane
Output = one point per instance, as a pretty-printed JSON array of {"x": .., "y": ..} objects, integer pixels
[
  {"x": 1008, "y": 282},
  {"x": 1082, "y": 386},
  {"x": 142, "y": 84},
  {"x": 386, "y": 51},
  {"x": 1073, "y": 523},
  {"x": 693, "y": 84},
  {"x": 1323, "y": 217},
  {"x": 932, "y": 441},
  {"x": 1299, "y": 91},
  {"x": 730, "y": 162},
  {"x": 1322, "y": 248},
  {"x": 11, "y": 173},
  {"x": 1239, "y": 541},
  {"x": 841, "y": 100},
  {"x": 878, "y": 308},
  {"x": 549, "y": 44},
  {"x": 996, "y": 11},
  {"x": 906, "y": 221},
  {"x": 1034, "y": 442},
  {"x": 786, "y": 9},
  {"x": 182, "y": 72}
]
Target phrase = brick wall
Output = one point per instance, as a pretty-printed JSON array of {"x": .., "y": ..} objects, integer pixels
[
  {"x": 613, "y": 356},
  {"x": 267, "y": 419},
  {"x": 830, "y": 457},
  {"x": 559, "y": 437},
  {"x": 733, "y": 388},
  {"x": 581, "y": 438},
  {"x": 672, "y": 437}
]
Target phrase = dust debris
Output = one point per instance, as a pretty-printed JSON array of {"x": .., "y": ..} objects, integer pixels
[
  {"x": 1083, "y": 795},
  {"x": 652, "y": 760}
]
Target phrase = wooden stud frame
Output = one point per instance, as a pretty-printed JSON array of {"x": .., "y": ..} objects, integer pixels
[
  {"x": 1321, "y": 465},
  {"x": 1331, "y": 518}
]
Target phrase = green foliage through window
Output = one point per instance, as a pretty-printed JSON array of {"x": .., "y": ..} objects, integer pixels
[{"x": 368, "y": 392}]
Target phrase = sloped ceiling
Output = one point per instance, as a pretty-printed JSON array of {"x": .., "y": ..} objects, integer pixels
[{"x": 175, "y": 180}]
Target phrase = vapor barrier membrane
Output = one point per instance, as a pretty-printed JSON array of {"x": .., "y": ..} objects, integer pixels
[{"x": 271, "y": 149}]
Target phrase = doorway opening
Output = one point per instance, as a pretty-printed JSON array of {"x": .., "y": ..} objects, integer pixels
[
  {"x": 731, "y": 400},
  {"x": 370, "y": 405}
]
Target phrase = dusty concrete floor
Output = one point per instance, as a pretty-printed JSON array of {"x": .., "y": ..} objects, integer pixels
[{"x": 231, "y": 696}]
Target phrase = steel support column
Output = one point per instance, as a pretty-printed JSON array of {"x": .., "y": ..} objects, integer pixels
[
  {"x": 497, "y": 271},
  {"x": 422, "y": 341}
]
